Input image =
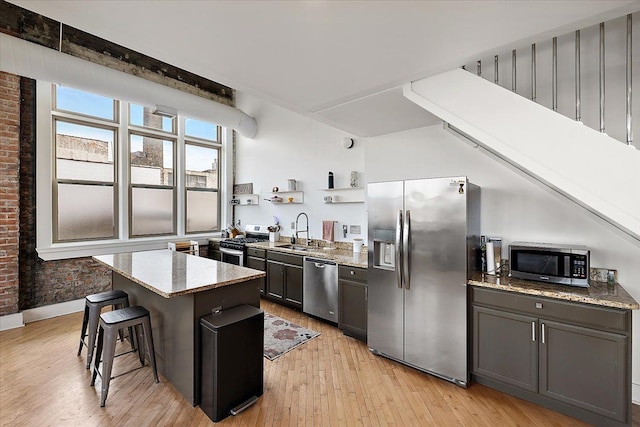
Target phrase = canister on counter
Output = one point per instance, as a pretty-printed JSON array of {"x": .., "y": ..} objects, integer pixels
[{"x": 493, "y": 255}]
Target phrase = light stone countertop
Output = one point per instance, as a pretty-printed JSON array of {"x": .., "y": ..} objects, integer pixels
[
  {"x": 598, "y": 293},
  {"x": 340, "y": 256},
  {"x": 171, "y": 274}
]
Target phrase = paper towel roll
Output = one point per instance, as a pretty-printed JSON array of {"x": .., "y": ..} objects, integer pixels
[
  {"x": 357, "y": 245},
  {"x": 491, "y": 264}
]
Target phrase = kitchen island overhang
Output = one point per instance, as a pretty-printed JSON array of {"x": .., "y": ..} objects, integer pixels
[{"x": 178, "y": 289}]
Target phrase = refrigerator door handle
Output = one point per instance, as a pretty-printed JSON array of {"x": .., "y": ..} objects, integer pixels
[
  {"x": 398, "y": 249},
  {"x": 406, "y": 244}
]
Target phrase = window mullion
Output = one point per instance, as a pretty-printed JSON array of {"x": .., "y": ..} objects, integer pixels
[
  {"x": 180, "y": 178},
  {"x": 123, "y": 176}
]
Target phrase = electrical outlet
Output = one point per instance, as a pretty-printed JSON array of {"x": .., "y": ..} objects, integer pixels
[
  {"x": 354, "y": 229},
  {"x": 293, "y": 225}
]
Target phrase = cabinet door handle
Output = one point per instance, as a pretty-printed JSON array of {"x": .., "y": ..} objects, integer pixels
[
  {"x": 533, "y": 331},
  {"x": 542, "y": 333}
]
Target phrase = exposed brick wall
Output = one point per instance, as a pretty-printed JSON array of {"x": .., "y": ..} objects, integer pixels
[
  {"x": 28, "y": 254},
  {"x": 9, "y": 191},
  {"x": 66, "y": 280}
]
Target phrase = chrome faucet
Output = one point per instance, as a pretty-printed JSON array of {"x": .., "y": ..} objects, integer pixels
[{"x": 307, "y": 230}]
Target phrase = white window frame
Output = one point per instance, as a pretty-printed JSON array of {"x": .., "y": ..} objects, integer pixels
[{"x": 48, "y": 250}]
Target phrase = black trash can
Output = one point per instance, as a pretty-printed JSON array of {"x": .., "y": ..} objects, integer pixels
[{"x": 231, "y": 374}]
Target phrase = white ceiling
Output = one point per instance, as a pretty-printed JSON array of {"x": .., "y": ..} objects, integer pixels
[{"x": 341, "y": 62}]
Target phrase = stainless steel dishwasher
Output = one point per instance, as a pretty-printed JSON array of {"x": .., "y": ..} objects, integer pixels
[{"x": 320, "y": 289}]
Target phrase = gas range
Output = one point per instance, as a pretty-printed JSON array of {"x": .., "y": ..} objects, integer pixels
[
  {"x": 240, "y": 242},
  {"x": 235, "y": 250}
]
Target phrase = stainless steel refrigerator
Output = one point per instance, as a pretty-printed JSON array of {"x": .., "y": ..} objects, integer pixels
[{"x": 424, "y": 238}]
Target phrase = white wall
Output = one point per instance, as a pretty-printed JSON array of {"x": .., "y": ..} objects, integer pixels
[
  {"x": 289, "y": 145},
  {"x": 513, "y": 207}
]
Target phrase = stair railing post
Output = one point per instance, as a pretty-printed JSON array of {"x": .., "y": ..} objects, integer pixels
[
  {"x": 554, "y": 75},
  {"x": 601, "y": 75},
  {"x": 513, "y": 70},
  {"x": 578, "y": 106},
  {"x": 629, "y": 76},
  {"x": 533, "y": 72}
]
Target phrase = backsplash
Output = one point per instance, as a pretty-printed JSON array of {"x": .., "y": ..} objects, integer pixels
[
  {"x": 347, "y": 246},
  {"x": 602, "y": 275}
]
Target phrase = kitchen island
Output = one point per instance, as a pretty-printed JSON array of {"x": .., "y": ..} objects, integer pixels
[{"x": 179, "y": 289}]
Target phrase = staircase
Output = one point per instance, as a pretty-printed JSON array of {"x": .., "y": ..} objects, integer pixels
[
  {"x": 572, "y": 139},
  {"x": 586, "y": 75}
]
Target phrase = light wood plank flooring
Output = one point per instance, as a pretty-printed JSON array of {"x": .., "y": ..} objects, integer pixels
[{"x": 332, "y": 380}]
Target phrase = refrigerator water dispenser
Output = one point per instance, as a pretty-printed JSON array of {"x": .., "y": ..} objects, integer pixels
[{"x": 384, "y": 254}]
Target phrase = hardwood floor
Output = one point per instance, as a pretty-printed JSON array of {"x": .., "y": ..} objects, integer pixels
[{"x": 332, "y": 380}]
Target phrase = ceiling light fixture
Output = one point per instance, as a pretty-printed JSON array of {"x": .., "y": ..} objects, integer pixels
[{"x": 164, "y": 111}]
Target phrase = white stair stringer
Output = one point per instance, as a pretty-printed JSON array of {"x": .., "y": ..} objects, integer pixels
[{"x": 598, "y": 172}]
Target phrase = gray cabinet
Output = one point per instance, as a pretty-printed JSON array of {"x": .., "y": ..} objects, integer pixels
[
  {"x": 505, "y": 348},
  {"x": 583, "y": 367},
  {"x": 213, "y": 251},
  {"x": 573, "y": 358},
  {"x": 256, "y": 259},
  {"x": 284, "y": 278},
  {"x": 353, "y": 292}
]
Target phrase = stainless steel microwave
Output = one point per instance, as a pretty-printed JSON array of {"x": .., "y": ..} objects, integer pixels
[{"x": 544, "y": 262}]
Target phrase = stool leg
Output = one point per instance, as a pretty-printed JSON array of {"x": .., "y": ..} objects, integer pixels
[
  {"x": 146, "y": 325},
  {"x": 120, "y": 332},
  {"x": 131, "y": 338},
  {"x": 140, "y": 342},
  {"x": 107, "y": 363},
  {"x": 125, "y": 304},
  {"x": 85, "y": 320},
  {"x": 98, "y": 356},
  {"x": 94, "y": 316}
]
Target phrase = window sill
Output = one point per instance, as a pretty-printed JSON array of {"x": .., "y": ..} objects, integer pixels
[{"x": 59, "y": 251}]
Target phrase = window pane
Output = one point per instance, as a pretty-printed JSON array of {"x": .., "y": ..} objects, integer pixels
[
  {"x": 143, "y": 116},
  {"x": 151, "y": 211},
  {"x": 151, "y": 160},
  {"x": 201, "y": 165},
  {"x": 84, "y": 103},
  {"x": 201, "y": 129},
  {"x": 85, "y": 212},
  {"x": 202, "y": 211},
  {"x": 84, "y": 152}
]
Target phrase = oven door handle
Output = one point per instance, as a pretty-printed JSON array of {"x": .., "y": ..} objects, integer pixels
[{"x": 230, "y": 251}]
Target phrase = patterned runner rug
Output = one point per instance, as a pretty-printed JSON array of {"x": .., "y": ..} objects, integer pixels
[{"x": 280, "y": 336}]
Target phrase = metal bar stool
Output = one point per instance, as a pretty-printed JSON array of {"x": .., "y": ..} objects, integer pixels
[
  {"x": 92, "y": 309},
  {"x": 110, "y": 323}
]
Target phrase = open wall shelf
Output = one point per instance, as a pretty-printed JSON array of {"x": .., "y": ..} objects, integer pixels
[
  {"x": 245, "y": 199},
  {"x": 297, "y": 197}
]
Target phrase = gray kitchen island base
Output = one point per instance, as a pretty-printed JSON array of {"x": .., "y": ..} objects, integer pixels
[{"x": 176, "y": 326}]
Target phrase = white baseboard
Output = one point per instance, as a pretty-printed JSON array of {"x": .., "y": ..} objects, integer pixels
[
  {"x": 40, "y": 313},
  {"x": 635, "y": 393},
  {"x": 53, "y": 310},
  {"x": 11, "y": 321}
]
